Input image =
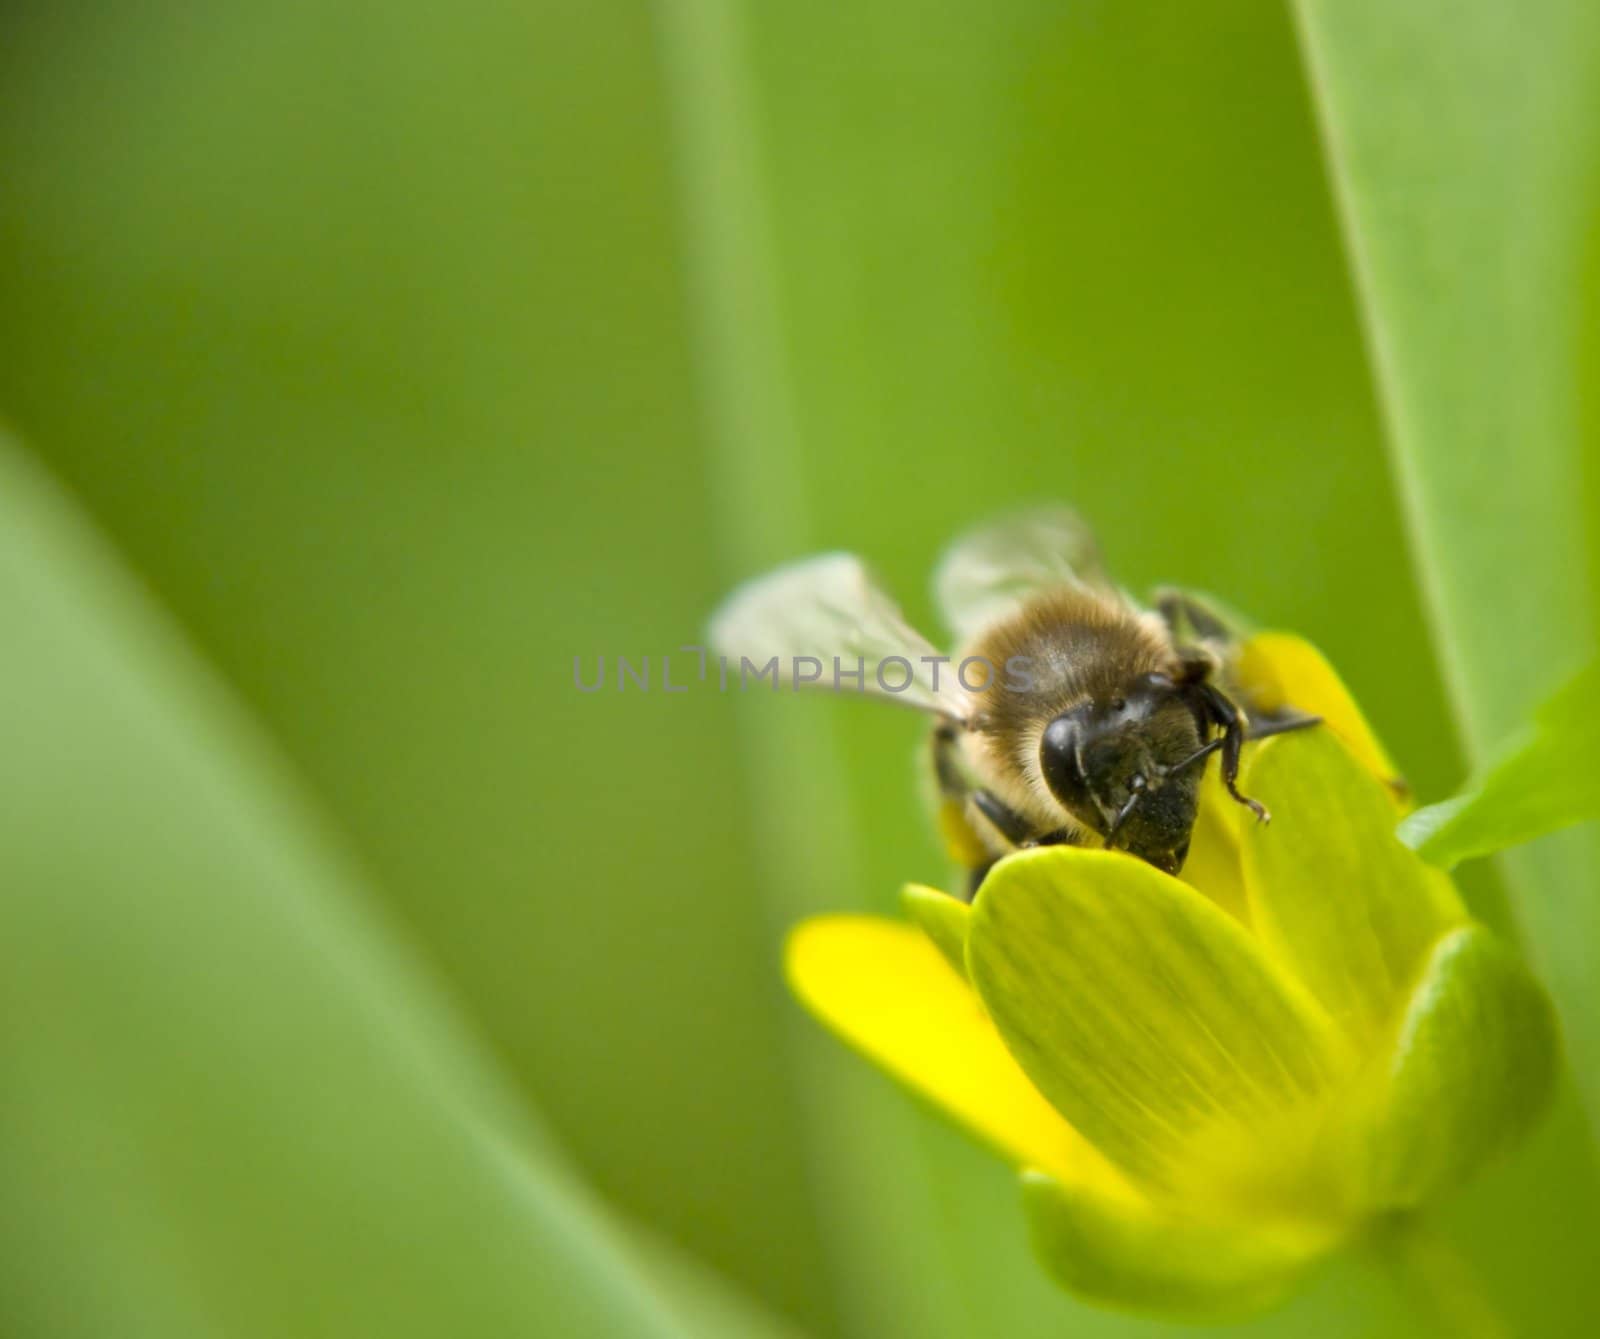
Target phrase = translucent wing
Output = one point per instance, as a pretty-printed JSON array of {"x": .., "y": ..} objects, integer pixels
[
  {"x": 1195, "y": 616},
  {"x": 827, "y": 613},
  {"x": 987, "y": 572}
]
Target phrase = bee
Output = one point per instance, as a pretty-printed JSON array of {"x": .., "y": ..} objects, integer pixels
[{"x": 1070, "y": 714}]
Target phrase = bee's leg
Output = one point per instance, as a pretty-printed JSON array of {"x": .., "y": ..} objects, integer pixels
[
  {"x": 947, "y": 771},
  {"x": 978, "y": 873},
  {"x": 965, "y": 844},
  {"x": 1219, "y": 707},
  {"x": 1007, "y": 822}
]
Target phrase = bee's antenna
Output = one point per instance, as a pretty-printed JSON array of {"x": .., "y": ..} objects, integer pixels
[{"x": 1204, "y": 751}]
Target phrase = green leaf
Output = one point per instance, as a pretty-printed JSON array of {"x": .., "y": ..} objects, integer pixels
[
  {"x": 253, "y": 344},
  {"x": 234, "y": 1103},
  {"x": 1333, "y": 893},
  {"x": 1148, "y": 1017},
  {"x": 705, "y": 1300},
  {"x": 942, "y": 918},
  {"x": 1473, "y": 1063},
  {"x": 1547, "y": 780},
  {"x": 1462, "y": 141},
  {"x": 1126, "y": 1255}
]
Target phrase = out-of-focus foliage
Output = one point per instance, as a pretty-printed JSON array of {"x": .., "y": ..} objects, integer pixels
[
  {"x": 1546, "y": 781},
  {"x": 408, "y": 354},
  {"x": 361, "y": 333},
  {"x": 234, "y": 1105},
  {"x": 1464, "y": 142}
]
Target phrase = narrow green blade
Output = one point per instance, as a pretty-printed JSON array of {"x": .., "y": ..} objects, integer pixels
[
  {"x": 1462, "y": 142},
  {"x": 234, "y": 1105}
]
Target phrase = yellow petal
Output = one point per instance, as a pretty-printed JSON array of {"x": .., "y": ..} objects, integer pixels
[
  {"x": 1334, "y": 895},
  {"x": 1153, "y": 1022},
  {"x": 1277, "y": 670},
  {"x": 888, "y": 992},
  {"x": 1139, "y": 1257},
  {"x": 942, "y": 918},
  {"x": 1472, "y": 1066},
  {"x": 1213, "y": 866}
]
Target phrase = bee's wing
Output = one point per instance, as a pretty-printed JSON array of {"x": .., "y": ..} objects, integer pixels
[
  {"x": 987, "y": 572},
  {"x": 830, "y": 609},
  {"x": 1194, "y": 616}
]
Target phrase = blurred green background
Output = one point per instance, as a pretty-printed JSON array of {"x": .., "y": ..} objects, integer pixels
[{"x": 404, "y": 354}]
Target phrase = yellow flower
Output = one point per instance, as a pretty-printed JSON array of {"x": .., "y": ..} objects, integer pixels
[{"x": 1209, "y": 1082}]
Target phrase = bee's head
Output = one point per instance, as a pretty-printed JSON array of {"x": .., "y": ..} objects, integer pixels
[{"x": 1122, "y": 766}]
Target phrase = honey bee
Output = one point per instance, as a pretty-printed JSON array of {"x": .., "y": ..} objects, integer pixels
[{"x": 1071, "y": 713}]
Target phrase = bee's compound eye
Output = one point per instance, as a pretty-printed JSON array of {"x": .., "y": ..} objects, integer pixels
[{"x": 1058, "y": 760}]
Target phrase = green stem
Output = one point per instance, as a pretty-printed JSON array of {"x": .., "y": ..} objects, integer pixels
[{"x": 1436, "y": 1283}]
